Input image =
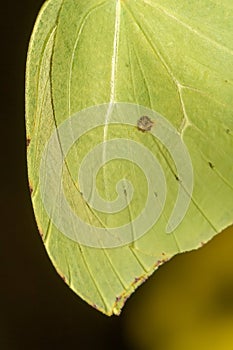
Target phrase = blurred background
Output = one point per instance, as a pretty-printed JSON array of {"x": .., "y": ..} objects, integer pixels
[{"x": 187, "y": 303}]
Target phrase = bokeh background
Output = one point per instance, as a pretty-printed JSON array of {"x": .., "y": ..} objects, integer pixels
[{"x": 187, "y": 303}]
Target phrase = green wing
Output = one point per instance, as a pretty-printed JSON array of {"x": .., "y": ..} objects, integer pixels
[{"x": 172, "y": 57}]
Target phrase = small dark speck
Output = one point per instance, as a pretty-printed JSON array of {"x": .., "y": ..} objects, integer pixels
[
  {"x": 177, "y": 178},
  {"x": 228, "y": 131},
  {"x": 226, "y": 81},
  {"x": 118, "y": 299},
  {"x": 31, "y": 189},
  {"x": 144, "y": 123},
  {"x": 28, "y": 142},
  {"x": 137, "y": 279},
  {"x": 127, "y": 65},
  {"x": 156, "y": 194},
  {"x": 211, "y": 165}
]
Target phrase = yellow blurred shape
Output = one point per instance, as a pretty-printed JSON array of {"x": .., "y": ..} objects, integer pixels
[{"x": 188, "y": 303}]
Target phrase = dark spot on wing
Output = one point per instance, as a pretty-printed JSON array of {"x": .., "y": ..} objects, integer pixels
[
  {"x": 211, "y": 165},
  {"x": 118, "y": 299},
  {"x": 31, "y": 189},
  {"x": 144, "y": 123}
]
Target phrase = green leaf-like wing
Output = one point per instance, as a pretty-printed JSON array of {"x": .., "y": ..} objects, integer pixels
[{"x": 172, "y": 57}]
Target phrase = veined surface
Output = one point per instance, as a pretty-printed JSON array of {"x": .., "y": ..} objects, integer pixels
[{"x": 174, "y": 57}]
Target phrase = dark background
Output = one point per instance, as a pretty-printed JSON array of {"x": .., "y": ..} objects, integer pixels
[{"x": 38, "y": 311}]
